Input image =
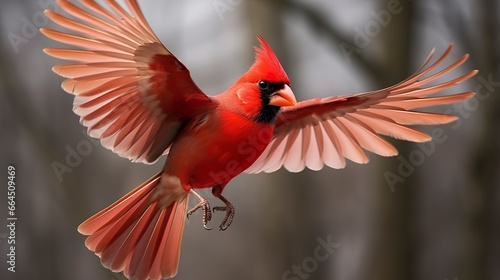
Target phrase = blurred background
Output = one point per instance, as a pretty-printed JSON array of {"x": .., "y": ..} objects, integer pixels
[{"x": 431, "y": 213}]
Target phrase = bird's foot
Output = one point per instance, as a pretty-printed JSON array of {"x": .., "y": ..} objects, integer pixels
[
  {"x": 229, "y": 209},
  {"x": 205, "y": 206}
]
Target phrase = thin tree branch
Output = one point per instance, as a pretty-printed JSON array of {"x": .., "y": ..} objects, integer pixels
[{"x": 320, "y": 24}]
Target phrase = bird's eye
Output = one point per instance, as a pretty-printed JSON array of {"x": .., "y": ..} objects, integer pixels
[{"x": 263, "y": 85}]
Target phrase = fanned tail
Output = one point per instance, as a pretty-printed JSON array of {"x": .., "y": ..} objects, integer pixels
[{"x": 137, "y": 236}]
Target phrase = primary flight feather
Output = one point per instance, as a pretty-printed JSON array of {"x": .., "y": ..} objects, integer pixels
[{"x": 140, "y": 101}]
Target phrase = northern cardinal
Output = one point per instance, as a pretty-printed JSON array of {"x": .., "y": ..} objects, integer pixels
[{"x": 134, "y": 95}]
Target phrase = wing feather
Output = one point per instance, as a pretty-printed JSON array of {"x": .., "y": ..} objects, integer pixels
[
  {"x": 130, "y": 91},
  {"x": 332, "y": 151},
  {"x": 294, "y": 158},
  {"x": 334, "y": 129},
  {"x": 351, "y": 149},
  {"x": 314, "y": 160}
]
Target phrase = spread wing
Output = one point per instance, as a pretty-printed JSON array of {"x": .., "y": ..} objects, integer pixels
[
  {"x": 130, "y": 91},
  {"x": 320, "y": 132}
]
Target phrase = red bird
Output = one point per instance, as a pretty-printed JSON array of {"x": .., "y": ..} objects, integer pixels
[{"x": 135, "y": 96}]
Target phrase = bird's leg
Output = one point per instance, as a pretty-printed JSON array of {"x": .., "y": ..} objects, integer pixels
[
  {"x": 229, "y": 209},
  {"x": 205, "y": 206}
]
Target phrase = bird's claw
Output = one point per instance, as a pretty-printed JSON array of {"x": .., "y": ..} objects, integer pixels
[
  {"x": 205, "y": 207},
  {"x": 207, "y": 213},
  {"x": 228, "y": 219}
]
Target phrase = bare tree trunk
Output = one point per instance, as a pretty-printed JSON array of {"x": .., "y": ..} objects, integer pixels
[
  {"x": 395, "y": 249},
  {"x": 484, "y": 227}
]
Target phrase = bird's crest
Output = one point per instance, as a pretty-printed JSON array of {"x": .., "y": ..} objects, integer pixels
[{"x": 266, "y": 66}]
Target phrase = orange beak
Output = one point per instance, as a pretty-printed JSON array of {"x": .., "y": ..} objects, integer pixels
[{"x": 283, "y": 98}]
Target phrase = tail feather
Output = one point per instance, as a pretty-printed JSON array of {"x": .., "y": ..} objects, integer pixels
[
  {"x": 118, "y": 252},
  {"x": 118, "y": 208},
  {"x": 106, "y": 224},
  {"x": 143, "y": 258},
  {"x": 124, "y": 224},
  {"x": 175, "y": 229},
  {"x": 138, "y": 236}
]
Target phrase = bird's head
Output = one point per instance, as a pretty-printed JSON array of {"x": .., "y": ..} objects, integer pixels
[{"x": 265, "y": 87}]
